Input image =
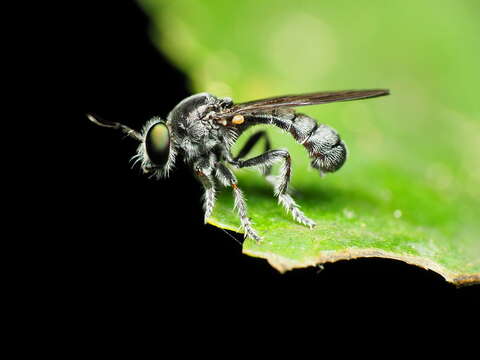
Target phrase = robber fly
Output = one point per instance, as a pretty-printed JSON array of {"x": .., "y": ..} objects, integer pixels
[{"x": 202, "y": 129}]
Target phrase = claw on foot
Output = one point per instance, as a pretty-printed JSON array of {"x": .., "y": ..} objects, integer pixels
[
  {"x": 308, "y": 222},
  {"x": 252, "y": 235}
]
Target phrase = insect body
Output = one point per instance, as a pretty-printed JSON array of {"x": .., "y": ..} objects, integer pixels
[{"x": 202, "y": 129}]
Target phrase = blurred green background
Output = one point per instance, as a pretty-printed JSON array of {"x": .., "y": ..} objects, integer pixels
[{"x": 411, "y": 185}]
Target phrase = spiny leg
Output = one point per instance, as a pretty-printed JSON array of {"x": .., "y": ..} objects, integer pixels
[
  {"x": 266, "y": 161},
  {"x": 203, "y": 170},
  {"x": 209, "y": 195},
  {"x": 227, "y": 178},
  {"x": 281, "y": 187},
  {"x": 251, "y": 142},
  {"x": 292, "y": 207}
]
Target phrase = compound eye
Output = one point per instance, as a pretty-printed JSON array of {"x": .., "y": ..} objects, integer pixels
[{"x": 157, "y": 144}]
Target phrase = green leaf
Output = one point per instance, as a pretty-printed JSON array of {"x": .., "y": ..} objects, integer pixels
[{"x": 410, "y": 189}]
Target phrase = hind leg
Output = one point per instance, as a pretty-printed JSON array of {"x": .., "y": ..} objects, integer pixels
[
  {"x": 251, "y": 142},
  {"x": 266, "y": 161}
]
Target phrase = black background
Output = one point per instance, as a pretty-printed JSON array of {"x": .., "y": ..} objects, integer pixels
[{"x": 127, "y": 242}]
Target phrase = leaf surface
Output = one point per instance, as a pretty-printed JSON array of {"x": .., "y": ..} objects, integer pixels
[{"x": 410, "y": 189}]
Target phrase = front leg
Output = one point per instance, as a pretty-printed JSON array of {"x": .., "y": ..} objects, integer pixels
[
  {"x": 209, "y": 195},
  {"x": 203, "y": 172},
  {"x": 266, "y": 160}
]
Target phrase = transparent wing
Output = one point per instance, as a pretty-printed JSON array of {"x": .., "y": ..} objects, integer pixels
[{"x": 303, "y": 100}]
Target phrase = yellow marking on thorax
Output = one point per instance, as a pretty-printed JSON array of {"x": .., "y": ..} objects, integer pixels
[{"x": 238, "y": 119}]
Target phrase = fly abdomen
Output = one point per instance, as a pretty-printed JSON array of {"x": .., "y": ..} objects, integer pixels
[
  {"x": 324, "y": 146},
  {"x": 327, "y": 151},
  {"x": 302, "y": 128}
]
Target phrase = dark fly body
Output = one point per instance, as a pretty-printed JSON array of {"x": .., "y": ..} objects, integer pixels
[{"x": 202, "y": 129}]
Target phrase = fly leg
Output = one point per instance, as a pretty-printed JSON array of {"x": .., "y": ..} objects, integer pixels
[
  {"x": 203, "y": 171},
  {"x": 209, "y": 195},
  {"x": 265, "y": 161},
  {"x": 251, "y": 142},
  {"x": 228, "y": 178}
]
